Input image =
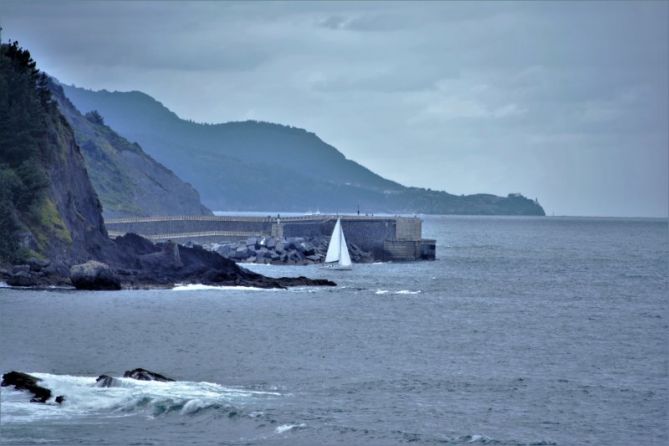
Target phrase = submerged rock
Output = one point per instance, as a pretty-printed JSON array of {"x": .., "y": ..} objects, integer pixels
[
  {"x": 23, "y": 381},
  {"x": 145, "y": 375},
  {"x": 94, "y": 275}
]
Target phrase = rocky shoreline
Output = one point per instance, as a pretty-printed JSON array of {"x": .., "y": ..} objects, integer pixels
[
  {"x": 40, "y": 394},
  {"x": 283, "y": 251},
  {"x": 138, "y": 263}
]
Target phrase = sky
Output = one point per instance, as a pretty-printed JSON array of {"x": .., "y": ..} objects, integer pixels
[{"x": 566, "y": 102}]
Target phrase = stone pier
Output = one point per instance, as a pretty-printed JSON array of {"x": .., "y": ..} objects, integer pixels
[{"x": 387, "y": 238}]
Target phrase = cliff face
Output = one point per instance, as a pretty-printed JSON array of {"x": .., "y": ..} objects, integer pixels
[
  {"x": 50, "y": 215},
  {"x": 128, "y": 181},
  {"x": 82, "y": 235},
  {"x": 48, "y": 207},
  {"x": 259, "y": 166}
]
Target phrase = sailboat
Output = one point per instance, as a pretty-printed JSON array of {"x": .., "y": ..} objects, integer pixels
[{"x": 337, "y": 256}]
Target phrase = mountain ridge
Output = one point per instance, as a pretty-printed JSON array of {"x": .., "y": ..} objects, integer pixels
[
  {"x": 128, "y": 181},
  {"x": 259, "y": 166}
]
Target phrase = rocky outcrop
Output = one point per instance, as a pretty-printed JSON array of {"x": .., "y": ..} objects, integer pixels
[
  {"x": 33, "y": 273},
  {"x": 281, "y": 251},
  {"x": 29, "y": 383},
  {"x": 23, "y": 381},
  {"x": 50, "y": 211},
  {"x": 146, "y": 375},
  {"x": 165, "y": 264},
  {"x": 105, "y": 381},
  {"x": 94, "y": 275}
]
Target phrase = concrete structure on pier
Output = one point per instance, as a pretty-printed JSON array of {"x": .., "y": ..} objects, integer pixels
[{"x": 387, "y": 238}]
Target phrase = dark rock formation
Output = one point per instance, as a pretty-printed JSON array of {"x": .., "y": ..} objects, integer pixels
[
  {"x": 23, "y": 381},
  {"x": 105, "y": 381},
  {"x": 60, "y": 399},
  {"x": 145, "y": 375},
  {"x": 94, "y": 275},
  {"x": 165, "y": 264},
  {"x": 22, "y": 278}
]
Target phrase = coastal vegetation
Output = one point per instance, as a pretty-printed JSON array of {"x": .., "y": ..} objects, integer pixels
[
  {"x": 128, "y": 181},
  {"x": 26, "y": 113}
]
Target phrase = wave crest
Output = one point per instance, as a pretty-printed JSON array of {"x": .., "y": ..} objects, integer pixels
[{"x": 83, "y": 398}]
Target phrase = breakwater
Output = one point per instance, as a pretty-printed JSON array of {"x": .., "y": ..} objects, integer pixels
[{"x": 385, "y": 238}]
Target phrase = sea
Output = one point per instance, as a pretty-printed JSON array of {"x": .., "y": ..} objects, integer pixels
[{"x": 524, "y": 331}]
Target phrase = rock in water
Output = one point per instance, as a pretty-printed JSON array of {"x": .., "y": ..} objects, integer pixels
[
  {"x": 94, "y": 275},
  {"x": 23, "y": 381},
  {"x": 145, "y": 375},
  {"x": 105, "y": 381}
]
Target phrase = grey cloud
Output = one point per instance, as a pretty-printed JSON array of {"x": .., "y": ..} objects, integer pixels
[{"x": 550, "y": 99}]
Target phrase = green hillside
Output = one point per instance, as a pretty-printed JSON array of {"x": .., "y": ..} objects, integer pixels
[{"x": 128, "y": 181}]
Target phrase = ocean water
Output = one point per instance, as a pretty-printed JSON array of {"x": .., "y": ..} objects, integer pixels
[{"x": 525, "y": 331}]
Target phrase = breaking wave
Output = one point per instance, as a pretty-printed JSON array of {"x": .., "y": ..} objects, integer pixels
[
  {"x": 287, "y": 427},
  {"x": 129, "y": 397},
  {"x": 201, "y": 287},
  {"x": 381, "y": 292}
]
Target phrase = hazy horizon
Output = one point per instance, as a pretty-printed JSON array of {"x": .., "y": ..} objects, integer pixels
[{"x": 567, "y": 103}]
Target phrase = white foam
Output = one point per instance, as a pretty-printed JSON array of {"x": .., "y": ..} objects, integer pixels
[
  {"x": 83, "y": 398},
  {"x": 286, "y": 427},
  {"x": 381, "y": 292},
  {"x": 201, "y": 287},
  {"x": 4, "y": 285}
]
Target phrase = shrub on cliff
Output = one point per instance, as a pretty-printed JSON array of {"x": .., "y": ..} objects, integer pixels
[{"x": 25, "y": 102}]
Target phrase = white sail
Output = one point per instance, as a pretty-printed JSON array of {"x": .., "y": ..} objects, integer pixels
[
  {"x": 337, "y": 255},
  {"x": 344, "y": 257},
  {"x": 334, "y": 248}
]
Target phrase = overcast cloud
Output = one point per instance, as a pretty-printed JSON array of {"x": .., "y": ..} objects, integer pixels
[{"x": 567, "y": 102}]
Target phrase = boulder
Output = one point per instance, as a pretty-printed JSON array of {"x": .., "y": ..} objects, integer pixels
[
  {"x": 22, "y": 278},
  {"x": 295, "y": 257},
  {"x": 94, "y": 275},
  {"x": 23, "y": 381},
  {"x": 146, "y": 375},
  {"x": 306, "y": 248},
  {"x": 241, "y": 253}
]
